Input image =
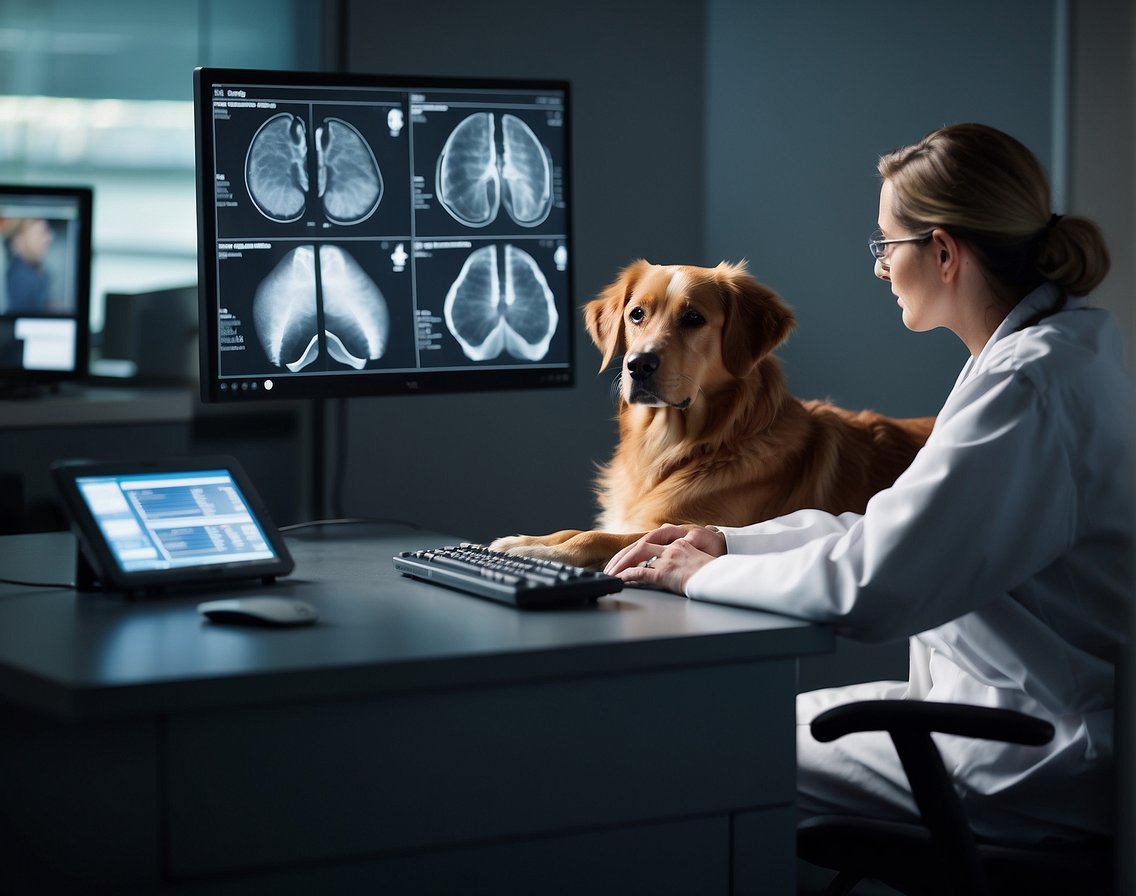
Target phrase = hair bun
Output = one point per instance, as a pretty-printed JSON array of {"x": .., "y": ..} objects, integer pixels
[{"x": 1074, "y": 255}]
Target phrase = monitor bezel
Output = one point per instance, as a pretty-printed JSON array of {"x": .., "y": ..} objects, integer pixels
[
  {"x": 375, "y": 384},
  {"x": 20, "y": 378}
]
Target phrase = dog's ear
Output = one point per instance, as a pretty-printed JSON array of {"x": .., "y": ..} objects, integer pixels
[
  {"x": 603, "y": 316},
  {"x": 757, "y": 321}
]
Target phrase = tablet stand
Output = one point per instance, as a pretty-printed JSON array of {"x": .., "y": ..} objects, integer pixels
[{"x": 86, "y": 577}]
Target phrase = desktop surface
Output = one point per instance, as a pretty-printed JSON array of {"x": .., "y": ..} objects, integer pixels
[
  {"x": 415, "y": 739},
  {"x": 81, "y": 654}
]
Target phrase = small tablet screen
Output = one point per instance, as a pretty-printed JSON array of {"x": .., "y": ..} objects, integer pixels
[
  {"x": 150, "y": 524},
  {"x": 168, "y": 520}
]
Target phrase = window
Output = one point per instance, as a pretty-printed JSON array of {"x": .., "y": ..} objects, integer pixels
[{"x": 101, "y": 94}]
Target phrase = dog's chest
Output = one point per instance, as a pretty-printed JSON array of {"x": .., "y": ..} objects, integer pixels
[{"x": 630, "y": 503}]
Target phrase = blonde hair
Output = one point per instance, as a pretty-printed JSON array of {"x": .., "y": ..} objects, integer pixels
[{"x": 986, "y": 188}]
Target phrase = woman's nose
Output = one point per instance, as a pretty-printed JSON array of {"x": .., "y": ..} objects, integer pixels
[{"x": 881, "y": 270}]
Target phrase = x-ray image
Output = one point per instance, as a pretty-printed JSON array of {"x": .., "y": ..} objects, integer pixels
[
  {"x": 477, "y": 172},
  {"x": 490, "y": 310},
  {"x": 356, "y": 323},
  {"x": 349, "y": 184}
]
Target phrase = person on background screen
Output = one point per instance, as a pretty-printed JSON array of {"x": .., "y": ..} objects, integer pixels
[{"x": 27, "y": 282}]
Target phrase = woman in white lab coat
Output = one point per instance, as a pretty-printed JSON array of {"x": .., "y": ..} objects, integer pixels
[{"x": 1004, "y": 551}]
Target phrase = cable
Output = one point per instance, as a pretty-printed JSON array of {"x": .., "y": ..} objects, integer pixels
[
  {"x": 350, "y": 521},
  {"x": 68, "y": 585}
]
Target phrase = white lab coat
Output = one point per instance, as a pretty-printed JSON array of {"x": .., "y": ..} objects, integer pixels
[{"x": 1004, "y": 553}]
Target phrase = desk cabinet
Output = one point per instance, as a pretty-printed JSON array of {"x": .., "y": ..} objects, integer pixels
[{"x": 648, "y": 747}]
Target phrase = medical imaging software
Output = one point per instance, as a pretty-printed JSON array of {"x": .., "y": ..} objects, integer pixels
[{"x": 362, "y": 229}]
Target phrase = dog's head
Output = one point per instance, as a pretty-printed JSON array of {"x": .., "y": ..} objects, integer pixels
[{"x": 685, "y": 330}]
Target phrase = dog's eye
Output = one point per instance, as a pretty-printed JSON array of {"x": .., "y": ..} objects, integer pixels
[
  {"x": 636, "y": 315},
  {"x": 691, "y": 318}
]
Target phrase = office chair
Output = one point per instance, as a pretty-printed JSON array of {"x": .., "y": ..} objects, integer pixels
[{"x": 941, "y": 856}]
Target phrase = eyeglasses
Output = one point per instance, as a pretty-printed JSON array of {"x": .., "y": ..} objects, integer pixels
[{"x": 878, "y": 246}]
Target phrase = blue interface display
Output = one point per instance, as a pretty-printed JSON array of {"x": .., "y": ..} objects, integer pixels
[{"x": 168, "y": 521}]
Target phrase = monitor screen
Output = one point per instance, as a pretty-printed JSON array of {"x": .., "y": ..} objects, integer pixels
[
  {"x": 365, "y": 235},
  {"x": 45, "y": 284}
]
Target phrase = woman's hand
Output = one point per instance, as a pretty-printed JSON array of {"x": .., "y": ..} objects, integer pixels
[{"x": 667, "y": 557}]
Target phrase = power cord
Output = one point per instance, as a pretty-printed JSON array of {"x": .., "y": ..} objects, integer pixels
[
  {"x": 25, "y": 584},
  {"x": 350, "y": 521}
]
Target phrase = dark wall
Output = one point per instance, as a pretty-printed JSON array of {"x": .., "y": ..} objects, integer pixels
[
  {"x": 802, "y": 100},
  {"x": 703, "y": 131},
  {"x": 490, "y": 464}
]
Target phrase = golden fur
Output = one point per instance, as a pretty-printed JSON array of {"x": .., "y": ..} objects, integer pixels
[{"x": 708, "y": 432}]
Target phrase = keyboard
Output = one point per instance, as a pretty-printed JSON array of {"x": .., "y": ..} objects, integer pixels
[{"x": 519, "y": 581}]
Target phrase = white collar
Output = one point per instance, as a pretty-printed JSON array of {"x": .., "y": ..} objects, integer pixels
[{"x": 1042, "y": 299}]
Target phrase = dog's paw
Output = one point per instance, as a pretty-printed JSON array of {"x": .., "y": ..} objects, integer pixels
[
  {"x": 529, "y": 546},
  {"x": 507, "y": 543},
  {"x": 514, "y": 543}
]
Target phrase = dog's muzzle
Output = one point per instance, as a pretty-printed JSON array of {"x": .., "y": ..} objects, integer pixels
[
  {"x": 642, "y": 365},
  {"x": 641, "y": 368}
]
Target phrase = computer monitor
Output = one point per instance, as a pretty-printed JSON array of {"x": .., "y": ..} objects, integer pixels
[
  {"x": 367, "y": 235},
  {"x": 45, "y": 285}
]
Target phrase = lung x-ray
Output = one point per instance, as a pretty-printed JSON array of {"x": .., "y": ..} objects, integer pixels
[
  {"x": 501, "y": 302},
  {"x": 356, "y": 324},
  {"x": 479, "y": 170},
  {"x": 349, "y": 185}
]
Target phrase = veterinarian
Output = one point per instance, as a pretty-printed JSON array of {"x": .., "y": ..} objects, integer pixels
[{"x": 1003, "y": 552}]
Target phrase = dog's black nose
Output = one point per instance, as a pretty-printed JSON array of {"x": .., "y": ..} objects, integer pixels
[{"x": 642, "y": 365}]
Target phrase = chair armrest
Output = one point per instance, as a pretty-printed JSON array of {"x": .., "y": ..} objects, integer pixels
[{"x": 908, "y": 717}]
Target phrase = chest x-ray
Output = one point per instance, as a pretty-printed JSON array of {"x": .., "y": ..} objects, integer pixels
[
  {"x": 479, "y": 170},
  {"x": 356, "y": 323},
  {"x": 501, "y": 305},
  {"x": 349, "y": 184}
]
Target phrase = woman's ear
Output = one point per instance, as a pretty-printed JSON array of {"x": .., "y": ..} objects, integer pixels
[{"x": 948, "y": 254}]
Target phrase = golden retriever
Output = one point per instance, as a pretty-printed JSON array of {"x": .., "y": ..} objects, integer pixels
[{"x": 708, "y": 431}]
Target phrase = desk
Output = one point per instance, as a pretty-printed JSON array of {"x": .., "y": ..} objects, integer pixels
[{"x": 415, "y": 740}]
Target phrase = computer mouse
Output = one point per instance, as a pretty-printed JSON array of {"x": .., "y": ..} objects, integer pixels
[{"x": 259, "y": 611}]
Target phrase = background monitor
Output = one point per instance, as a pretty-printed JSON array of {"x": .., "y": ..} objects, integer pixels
[
  {"x": 150, "y": 337},
  {"x": 45, "y": 285},
  {"x": 365, "y": 235}
]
